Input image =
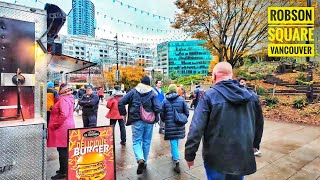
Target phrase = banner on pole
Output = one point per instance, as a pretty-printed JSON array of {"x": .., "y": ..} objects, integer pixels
[{"x": 91, "y": 154}]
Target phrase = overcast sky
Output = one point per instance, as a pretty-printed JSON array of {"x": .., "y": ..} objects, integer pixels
[{"x": 109, "y": 8}]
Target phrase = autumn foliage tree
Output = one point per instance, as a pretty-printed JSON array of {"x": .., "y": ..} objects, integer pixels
[
  {"x": 213, "y": 62},
  {"x": 231, "y": 28},
  {"x": 130, "y": 75},
  {"x": 98, "y": 81}
]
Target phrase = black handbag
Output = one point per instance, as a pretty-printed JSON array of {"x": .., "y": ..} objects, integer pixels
[{"x": 179, "y": 118}]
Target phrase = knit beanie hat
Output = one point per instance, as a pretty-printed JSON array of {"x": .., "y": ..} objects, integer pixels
[
  {"x": 117, "y": 87},
  {"x": 145, "y": 80},
  {"x": 50, "y": 84},
  {"x": 172, "y": 88},
  {"x": 65, "y": 89}
]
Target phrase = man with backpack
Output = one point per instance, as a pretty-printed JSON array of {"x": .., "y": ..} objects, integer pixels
[{"x": 144, "y": 108}]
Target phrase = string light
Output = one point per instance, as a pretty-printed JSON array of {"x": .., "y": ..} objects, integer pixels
[
  {"x": 153, "y": 41},
  {"x": 142, "y": 11},
  {"x": 180, "y": 34},
  {"x": 135, "y": 25}
]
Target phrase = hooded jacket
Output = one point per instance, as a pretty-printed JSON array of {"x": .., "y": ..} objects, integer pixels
[
  {"x": 172, "y": 129},
  {"x": 112, "y": 104},
  {"x": 140, "y": 94},
  {"x": 61, "y": 119},
  {"x": 229, "y": 119}
]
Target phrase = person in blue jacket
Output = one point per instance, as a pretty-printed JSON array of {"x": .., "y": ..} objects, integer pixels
[
  {"x": 173, "y": 130},
  {"x": 90, "y": 104},
  {"x": 160, "y": 95}
]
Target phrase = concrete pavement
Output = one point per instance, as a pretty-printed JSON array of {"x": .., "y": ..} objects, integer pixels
[{"x": 289, "y": 151}]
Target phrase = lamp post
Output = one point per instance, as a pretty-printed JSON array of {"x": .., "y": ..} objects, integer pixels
[
  {"x": 89, "y": 58},
  {"x": 117, "y": 53},
  {"x": 152, "y": 74},
  {"x": 309, "y": 93}
]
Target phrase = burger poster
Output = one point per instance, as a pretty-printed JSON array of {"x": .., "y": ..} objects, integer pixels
[{"x": 91, "y": 154}]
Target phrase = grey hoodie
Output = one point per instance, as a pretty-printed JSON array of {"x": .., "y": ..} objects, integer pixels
[{"x": 142, "y": 88}]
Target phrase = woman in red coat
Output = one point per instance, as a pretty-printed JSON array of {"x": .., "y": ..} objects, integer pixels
[
  {"x": 101, "y": 94},
  {"x": 114, "y": 114},
  {"x": 61, "y": 119}
]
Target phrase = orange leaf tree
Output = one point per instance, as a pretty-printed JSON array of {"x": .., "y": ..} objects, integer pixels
[
  {"x": 98, "y": 81},
  {"x": 213, "y": 62},
  {"x": 130, "y": 75},
  {"x": 231, "y": 28}
]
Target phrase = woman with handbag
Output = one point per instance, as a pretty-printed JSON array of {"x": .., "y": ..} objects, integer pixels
[
  {"x": 175, "y": 113},
  {"x": 143, "y": 111}
]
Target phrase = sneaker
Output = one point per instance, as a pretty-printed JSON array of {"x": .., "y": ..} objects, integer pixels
[
  {"x": 140, "y": 166},
  {"x": 58, "y": 176},
  {"x": 256, "y": 152}
]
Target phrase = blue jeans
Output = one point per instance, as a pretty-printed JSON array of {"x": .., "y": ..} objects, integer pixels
[
  {"x": 175, "y": 150},
  {"x": 215, "y": 175},
  {"x": 141, "y": 138}
]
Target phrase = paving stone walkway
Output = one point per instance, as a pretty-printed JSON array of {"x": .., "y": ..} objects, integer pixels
[{"x": 289, "y": 151}]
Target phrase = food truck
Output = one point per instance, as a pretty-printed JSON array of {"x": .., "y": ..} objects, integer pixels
[{"x": 27, "y": 53}]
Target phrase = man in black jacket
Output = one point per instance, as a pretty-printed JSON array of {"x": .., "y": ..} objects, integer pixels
[
  {"x": 229, "y": 118},
  {"x": 90, "y": 104}
]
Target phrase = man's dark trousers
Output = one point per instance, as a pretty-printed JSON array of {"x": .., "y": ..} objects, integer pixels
[{"x": 89, "y": 120}]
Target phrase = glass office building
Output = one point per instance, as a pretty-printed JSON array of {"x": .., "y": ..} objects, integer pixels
[
  {"x": 81, "y": 19},
  {"x": 184, "y": 57}
]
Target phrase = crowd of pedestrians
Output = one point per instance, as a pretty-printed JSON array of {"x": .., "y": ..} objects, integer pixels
[{"x": 227, "y": 119}]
